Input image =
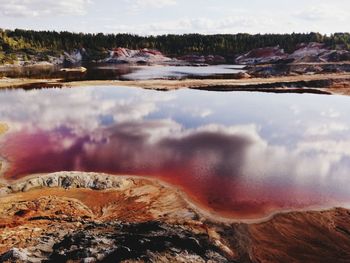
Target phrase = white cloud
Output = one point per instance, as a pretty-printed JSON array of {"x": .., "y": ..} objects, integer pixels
[
  {"x": 322, "y": 129},
  {"x": 295, "y": 109},
  {"x": 71, "y": 108},
  {"x": 244, "y": 23},
  {"x": 139, "y": 5},
  {"x": 321, "y": 12},
  {"x": 116, "y": 134},
  {"x": 37, "y": 8},
  {"x": 330, "y": 113},
  {"x": 174, "y": 16}
]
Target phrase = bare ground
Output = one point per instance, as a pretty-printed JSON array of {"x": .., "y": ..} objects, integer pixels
[{"x": 124, "y": 219}]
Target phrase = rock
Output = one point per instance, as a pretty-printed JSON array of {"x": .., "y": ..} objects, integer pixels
[
  {"x": 317, "y": 52},
  {"x": 262, "y": 56},
  {"x": 74, "y": 70},
  {"x": 265, "y": 71},
  {"x": 66, "y": 229},
  {"x": 5, "y": 191},
  {"x": 51, "y": 182},
  {"x": 67, "y": 182},
  {"x": 241, "y": 75},
  {"x": 200, "y": 59},
  {"x": 142, "y": 56},
  {"x": 308, "y": 52},
  {"x": 99, "y": 185},
  {"x": 308, "y": 58},
  {"x": 14, "y": 255},
  {"x": 73, "y": 58},
  {"x": 335, "y": 56},
  {"x": 133, "y": 241},
  {"x": 89, "y": 260}
]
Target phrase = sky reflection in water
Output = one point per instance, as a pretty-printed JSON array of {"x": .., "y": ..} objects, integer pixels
[{"x": 240, "y": 154}]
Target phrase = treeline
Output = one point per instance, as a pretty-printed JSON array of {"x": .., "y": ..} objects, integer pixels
[{"x": 228, "y": 45}]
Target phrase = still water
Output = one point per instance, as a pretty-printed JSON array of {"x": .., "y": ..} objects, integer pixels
[
  {"x": 239, "y": 154},
  {"x": 123, "y": 72}
]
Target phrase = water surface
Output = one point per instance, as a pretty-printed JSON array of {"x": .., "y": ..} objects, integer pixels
[
  {"x": 181, "y": 72},
  {"x": 100, "y": 71},
  {"x": 239, "y": 154}
]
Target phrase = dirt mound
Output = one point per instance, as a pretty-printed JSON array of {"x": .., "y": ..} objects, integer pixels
[
  {"x": 305, "y": 53},
  {"x": 262, "y": 55}
]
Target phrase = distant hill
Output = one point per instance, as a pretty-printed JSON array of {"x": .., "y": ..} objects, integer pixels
[{"x": 26, "y": 44}]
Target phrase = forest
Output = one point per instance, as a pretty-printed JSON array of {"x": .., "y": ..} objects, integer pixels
[{"x": 52, "y": 43}]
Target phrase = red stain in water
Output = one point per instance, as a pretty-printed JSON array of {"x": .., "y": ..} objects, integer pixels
[{"x": 198, "y": 164}]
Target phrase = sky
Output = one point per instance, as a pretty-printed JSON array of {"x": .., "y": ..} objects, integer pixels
[{"x": 153, "y": 17}]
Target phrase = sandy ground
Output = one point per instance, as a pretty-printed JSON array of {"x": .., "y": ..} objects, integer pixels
[
  {"x": 193, "y": 83},
  {"x": 173, "y": 200}
]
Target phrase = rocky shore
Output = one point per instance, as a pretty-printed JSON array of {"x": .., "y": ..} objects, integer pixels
[
  {"x": 87, "y": 217},
  {"x": 307, "y": 58}
]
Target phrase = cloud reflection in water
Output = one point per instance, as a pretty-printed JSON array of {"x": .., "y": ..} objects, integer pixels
[{"x": 236, "y": 160}]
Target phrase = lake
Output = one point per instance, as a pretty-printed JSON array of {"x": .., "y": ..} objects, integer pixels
[
  {"x": 123, "y": 72},
  {"x": 239, "y": 154}
]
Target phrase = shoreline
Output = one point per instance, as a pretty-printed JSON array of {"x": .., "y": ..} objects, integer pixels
[
  {"x": 331, "y": 84},
  {"x": 18, "y": 186}
]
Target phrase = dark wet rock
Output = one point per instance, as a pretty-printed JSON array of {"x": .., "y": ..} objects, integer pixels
[
  {"x": 149, "y": 241},
  {"x": 67, "y": 182},
  {"x": 99, "y": 185},
  {"x": 272, "y": 70},
  {"x": 311, "y": 87},
  {"x": 266, "y": 71},
  {"x": 336, "y": 56},
  {"x": 14, "y": 255}
]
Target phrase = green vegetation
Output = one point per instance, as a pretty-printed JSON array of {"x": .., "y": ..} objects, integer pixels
[{"x": 50, "y": 43}]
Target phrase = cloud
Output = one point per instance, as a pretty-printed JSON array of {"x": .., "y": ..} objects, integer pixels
[
  {"x": 174, "y": 16},
  {"x": 323, "y": 129},
  {"x": 38, "y": 8},
  {"x": 321, "y": 12},
  {"x": 230, "y": 165},
  {"x": 89, "y": 108},
  {"x": 139, "y": 5},
  {"x": 330, "y": 113},
  {"x": 230, "y": 24}
]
